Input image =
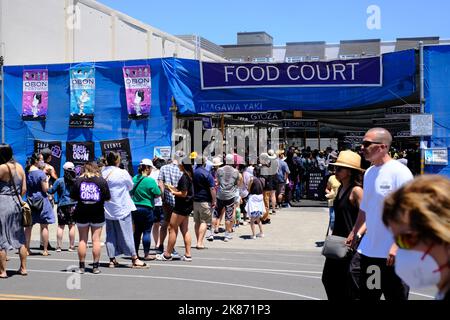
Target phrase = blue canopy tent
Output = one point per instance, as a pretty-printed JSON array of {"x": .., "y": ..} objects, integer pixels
[
  {"x": 398, "y": 75},
  {"x": 437, "y": 99},
  {"x": 111, "y": 116}
]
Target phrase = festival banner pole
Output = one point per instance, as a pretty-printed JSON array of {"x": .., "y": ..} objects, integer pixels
[{"x": 3, "y": 102}]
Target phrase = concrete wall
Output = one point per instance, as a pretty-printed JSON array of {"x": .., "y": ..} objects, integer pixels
[{"x": 64, "y": 31}]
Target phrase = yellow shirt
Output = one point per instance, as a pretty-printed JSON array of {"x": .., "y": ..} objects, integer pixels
[{"x": 334, "y": 184}]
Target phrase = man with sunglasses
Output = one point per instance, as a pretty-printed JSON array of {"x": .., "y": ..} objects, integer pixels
[{"x": 377, "y": 249}]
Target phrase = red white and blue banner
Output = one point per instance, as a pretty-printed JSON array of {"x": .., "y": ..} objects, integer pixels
[
  {"x": 35, "y": 94},
  {"x": 138, "y": 88},
  {"x": 365, "y": 72}
]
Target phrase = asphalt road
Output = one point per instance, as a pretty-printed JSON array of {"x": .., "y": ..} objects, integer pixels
[{"x": 285, "y": 265}]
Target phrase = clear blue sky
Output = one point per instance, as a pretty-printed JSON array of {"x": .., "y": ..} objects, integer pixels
[{"x": 291, "y": 20}]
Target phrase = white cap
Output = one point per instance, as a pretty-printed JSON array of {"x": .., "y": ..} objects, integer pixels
[
  {"x": 147, "y": 162},
  {"x": 229, "y": 159},
  {"x": 68, "y": 166},
  {"x": 271, "y": 154}
]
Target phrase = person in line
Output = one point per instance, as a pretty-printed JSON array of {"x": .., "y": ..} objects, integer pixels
[
  {"x": 331, "y": 191},
  {"x": 169, "y": 174},
  {"x": 335, "y": 276},
  {"x": 12, "y": 188},
  {"x": 158, "y": 211},
  {"x": 377, "y": 247},
  {"x": 184, "y": 203},
  {"x": 119, "y": 225},
  {"x": 42, "y": 211},
  {"x": 204, "y": 200},
  {"x": 255, "y": 205},
  {"x": 144, "y": 193},
  {"x": 90, "y": 191},
  {"x": 282, "y": 179},
  {"x": 228, "y": 179},
  {"x": 66, "y": 205},
  {"x": 418, "y": 215}
]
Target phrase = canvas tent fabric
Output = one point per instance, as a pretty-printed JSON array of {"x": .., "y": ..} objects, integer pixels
[
  {"x": 437, "y": 98},
  {"x": 399, "y": 81},
  {"x": 111, "y": 116}
]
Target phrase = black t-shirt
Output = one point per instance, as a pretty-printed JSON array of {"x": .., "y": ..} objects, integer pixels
[
  {"x": 184, "y": 206},
  {"x": 257, "y": 186},
  {"x": 90, "y": 194}
]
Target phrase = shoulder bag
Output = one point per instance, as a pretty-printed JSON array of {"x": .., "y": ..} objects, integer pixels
[
  {"x": 334, "y": 247},
  {"x": 26, "y": 210}
]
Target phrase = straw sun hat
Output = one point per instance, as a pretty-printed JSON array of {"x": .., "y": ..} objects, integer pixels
[{"x": 348, "y": 159}]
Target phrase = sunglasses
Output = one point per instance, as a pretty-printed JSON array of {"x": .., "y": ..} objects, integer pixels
[
  {"x": 367, "y": 144},
  {"x": 406, "y": 240}
]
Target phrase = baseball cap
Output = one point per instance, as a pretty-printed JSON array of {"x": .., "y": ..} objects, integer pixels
[
  {"x": 147, "y": 162},
  {"x": 68, "y": 166}
]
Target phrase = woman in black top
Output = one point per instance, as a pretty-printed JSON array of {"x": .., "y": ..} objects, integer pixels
[
  {"x": 336, "y": 277},
  {"x": 90, "y": 191},
  {"x": 184, "y": 203}
]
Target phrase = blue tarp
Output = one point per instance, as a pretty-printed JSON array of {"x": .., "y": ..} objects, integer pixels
[
  {"x": 399, "y": 81},
  {"x": 437, "y": 99},
  {"x": 111, "y": 117}
]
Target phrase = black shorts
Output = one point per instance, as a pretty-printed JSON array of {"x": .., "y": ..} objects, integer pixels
[
  {"x": 158, "y": 212},
  {"x": 66, "y": 215},
  {"x": 271, "y": 183},
  {"x": 229, "y": 208}
]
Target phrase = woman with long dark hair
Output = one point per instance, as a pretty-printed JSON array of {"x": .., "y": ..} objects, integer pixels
[
  {"x": 66, "y": 205},
  {"x": 41, "y": 207},
  {"x": 336, "y": 277},
  {"x": 184, "y": 203},
  {"x": 12, "y": 187}
]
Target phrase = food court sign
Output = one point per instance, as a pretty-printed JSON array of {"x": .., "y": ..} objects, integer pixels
[{"x": 364, "y": 72}]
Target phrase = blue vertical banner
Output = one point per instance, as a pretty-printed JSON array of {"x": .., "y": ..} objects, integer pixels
[{"x": 82, "y": 97}]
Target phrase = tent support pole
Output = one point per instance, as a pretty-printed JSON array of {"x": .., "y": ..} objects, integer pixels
[{"x": 422, "y": 107}]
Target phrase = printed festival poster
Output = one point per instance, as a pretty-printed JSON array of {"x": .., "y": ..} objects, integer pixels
[
  {"x": 122, "y": 147},
  {"x": 82, "y": 97},
  {"x": 79, "y": 153},
  {"x": 35, "y": 94},
  {"x": 138, "y": 91},
  {"x": 55, "y": 147}
]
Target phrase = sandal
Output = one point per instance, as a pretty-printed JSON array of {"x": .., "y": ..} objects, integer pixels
[
  {"x": 113, "y": 263},
  {"x": 22, "y": 273},
  {"x": 149, "y": 257},
  {"x": 139, "y": 266}
]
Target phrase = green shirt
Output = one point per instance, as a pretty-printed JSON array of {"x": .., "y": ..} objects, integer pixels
[{"x": 144, "y": 194}]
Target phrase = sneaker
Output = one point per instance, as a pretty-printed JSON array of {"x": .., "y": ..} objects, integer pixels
[
  {"x": 273, "y": 212},
  {"x": 161, "y": 257},
  {"x": 81, "y": 269},
  {"x": 175, "y": 255},
  {"x": 216, "y": 231},
  {"x": 160, "y": 249},
  {"x": 227, "y": 237},
  {"x": 71, "y": 249},
  {"x": 260, "y": 235},
  {"x": 210, "y": 238},
  {"x": 58, "y": 249},
  {"x": 186, "y": 258},
  {"x": 253, "y": 237},
  {"x": 95, "y": 269},
  {"x": 267, "y": 221}
]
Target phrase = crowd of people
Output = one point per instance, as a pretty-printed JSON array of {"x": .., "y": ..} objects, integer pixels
[{"x": 399, "y": 225}]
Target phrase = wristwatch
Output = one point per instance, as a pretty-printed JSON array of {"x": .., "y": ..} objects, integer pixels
[{"x": 359, "y": 236}]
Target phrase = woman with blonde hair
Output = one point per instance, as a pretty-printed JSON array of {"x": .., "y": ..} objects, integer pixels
[
  {"x": 90, "y": 191},
  {"x": 418, "y": 215}
]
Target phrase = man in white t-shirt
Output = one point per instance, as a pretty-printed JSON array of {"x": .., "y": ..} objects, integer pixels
[{"x": 377, "y": 250}]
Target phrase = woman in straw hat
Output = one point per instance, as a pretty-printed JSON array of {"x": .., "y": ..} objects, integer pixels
[{"x": 335, "y": 277}]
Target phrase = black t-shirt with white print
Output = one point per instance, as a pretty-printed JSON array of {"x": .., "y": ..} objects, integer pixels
[{"x": 90, "y": 194}]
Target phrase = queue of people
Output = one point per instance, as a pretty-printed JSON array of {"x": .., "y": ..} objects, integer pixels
[{"x": 392, "y": 223}]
